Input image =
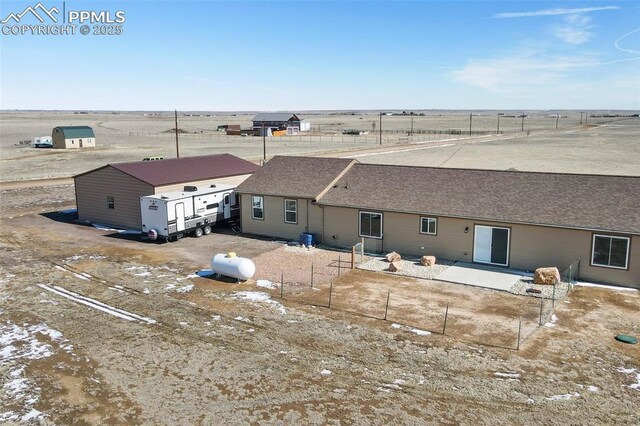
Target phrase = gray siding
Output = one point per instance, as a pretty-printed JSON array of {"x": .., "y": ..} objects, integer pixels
[{"x": 92, "y": 190}]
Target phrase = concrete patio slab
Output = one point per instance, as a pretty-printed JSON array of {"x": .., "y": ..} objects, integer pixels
[{"x": 471, "y": 274}]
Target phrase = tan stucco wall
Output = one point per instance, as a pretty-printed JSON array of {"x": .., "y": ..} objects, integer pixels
[
  {"x": 93, "y": 188},
  {"x": 530, "y": 246},
  {"x": 233, "y": 180},
  {"x": 273, "y": 224}
]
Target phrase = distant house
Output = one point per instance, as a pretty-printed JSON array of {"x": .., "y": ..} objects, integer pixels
[
  {"x": 279, "y": 121},
  {"x": 73, "y": 137},
  {"x": 511, "y": 219},
  {"x": 111, "y": 194}
]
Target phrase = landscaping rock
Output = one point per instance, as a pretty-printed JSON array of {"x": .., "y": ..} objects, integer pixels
[
  {"x": 393, "y": 257},
  {"x": 395, "y": 266},
  {"x": 546, "y": 276},
  {"x": 428, "y": 260}
]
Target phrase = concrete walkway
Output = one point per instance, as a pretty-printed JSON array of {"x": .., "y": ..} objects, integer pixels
[{"x": 477, "y": 275}]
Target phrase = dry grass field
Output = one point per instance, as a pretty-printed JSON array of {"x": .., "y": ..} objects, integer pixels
[{"x": 97, "y": 327}]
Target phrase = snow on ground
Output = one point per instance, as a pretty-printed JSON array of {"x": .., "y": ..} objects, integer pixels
[
  {"x": 266, "y": 284},
  {"x": 411, "y": 329},
  {"x": 609, "y": 287},
  {"x": 258, "y": 297},
  {"x": 552, "y": 323},
  {"x": 635, "y": 386},
  {"x": 508, "y": 374},
  {"x": 185, "y": 289},
  {"x": 92, "y": 303},
  {"x": 17, "y": 345},
  {"x": 102, "y": 227},
  {"x": 325, "y": 372},
  {"x": 563, "y": 397}
]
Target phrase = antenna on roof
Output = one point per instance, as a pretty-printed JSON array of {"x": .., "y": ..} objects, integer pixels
[{"x": 177, "y": 146}]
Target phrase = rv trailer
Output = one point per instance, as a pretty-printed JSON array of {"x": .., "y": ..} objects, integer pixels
[{"x": 192, "y": 211}]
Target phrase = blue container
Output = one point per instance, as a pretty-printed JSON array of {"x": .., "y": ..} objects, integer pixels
[{"x": 307, "y": 239}]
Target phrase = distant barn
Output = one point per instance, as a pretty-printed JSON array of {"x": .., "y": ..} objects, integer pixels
[
  {"x": 73, "y": 137},
  {"x": 280, "y": 121}
]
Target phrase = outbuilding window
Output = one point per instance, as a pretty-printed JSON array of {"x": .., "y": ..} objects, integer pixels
[
  {"x": 428, "y": 225},
  {"x": 610, "y": 251},
  {"x": 291, "y": 211},
  {"x": 111, "y": 204},
  {"x": 371, "y": 224},
  {"x": 257, "y": 207}
]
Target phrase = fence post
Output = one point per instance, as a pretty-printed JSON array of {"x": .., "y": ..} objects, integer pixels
[
  {"x": 282, "y": 285},
  {"x": 519, "y": 332},
  {"x": 540, "y": 321},
  {"x": 330, "y": 291},
  {"x": 311, "y": 274},
  {"x": 353, "y": 257},
  {"x": 386, "y": 308},
  {"x": 446, "y": 314}
]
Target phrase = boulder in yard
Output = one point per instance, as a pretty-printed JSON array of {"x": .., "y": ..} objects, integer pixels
[
  {"x": 393, "y": 257},
  {"x": 546, "y": 276},
  {"x": 428, "y": 260},
  {"x": 395, "y": 266}
]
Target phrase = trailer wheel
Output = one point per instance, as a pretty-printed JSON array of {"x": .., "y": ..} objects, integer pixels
[
  {"x": 198, "y": 233},
  {"x": 207, "y": 230}
]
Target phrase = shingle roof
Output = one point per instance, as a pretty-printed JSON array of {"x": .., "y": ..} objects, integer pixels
[
  {"x": 275, "y": 116},
  {"x": 304, "y": 177},
  {"x": 185, "y": 169},
  {"x": 75, "y": 132},
  {"x": 566, "y": 200}
]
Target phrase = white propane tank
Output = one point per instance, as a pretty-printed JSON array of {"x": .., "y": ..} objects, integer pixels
[{"x": 232, "y": 266}]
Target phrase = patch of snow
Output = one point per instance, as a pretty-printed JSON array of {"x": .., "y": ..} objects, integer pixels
[
  {"x": 325, "y": 373},
  {"x": 508, "y": 375},
  {"x": 251, "y": 330},
  {"x": 530, "y": 401},
  {"x": 340, "y": 390},
  {"x": 146, "y": 291},
  {"x": 593, "y": 389},
  {"x": 635, "y": 386},
  {"x": 116, "y": 289},
  {"x": 183, "y": 323},
  {"x": 102, "y": 227},
  {"x": 143, "y": 274},
  {"x": 258, "y": 297},
  {"x": 420, "y": 332},
  {"x": 82, "y": 277},
  {"x": 187, "y": 288},
  {"x": 396, "y": 326},
  {"x": 69, "y": 211},
  {"x": 193, "y": 276},
  {"x": 609, "y": 287},
  {"x": 265, "y": 284},
  {"x": 292, "y": 321},
  {"x": 563, "y": 397},
  {"x": 52, "y": 302},
  {"x": 552, "y": 323}
]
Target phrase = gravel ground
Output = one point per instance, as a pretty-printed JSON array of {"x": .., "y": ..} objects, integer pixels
[{"x": 411, "y": 267}]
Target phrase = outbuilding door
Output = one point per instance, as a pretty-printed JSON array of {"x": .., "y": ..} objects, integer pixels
[
  {"x": 180, "y": 217},
  {"x": 491, "y": 245}
]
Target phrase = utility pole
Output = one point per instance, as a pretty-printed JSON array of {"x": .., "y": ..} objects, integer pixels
[
  {"x": 581, "y": 118},
  {"x": 411, "y": 125},
  {"x": 380, "y": 127},
  {"x": 177, "y": 145},
  {"x": 264, "y": 145},
  {"x": 557, "y": 118},
  {"x": 498, "y": 131},
  {"x": 586, "y": 117},
  {"x": 470, "y": 119},
  {"x": 522, "y": 122}
]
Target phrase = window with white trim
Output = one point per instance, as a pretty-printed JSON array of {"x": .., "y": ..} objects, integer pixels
[
  {"x": 428, "y": 225},
  {"x": 371, "y": 224},
  {"x": 291, "y": 211},
  {"x": 610, "y": 251},
  {"x": 257, "y": 207}
]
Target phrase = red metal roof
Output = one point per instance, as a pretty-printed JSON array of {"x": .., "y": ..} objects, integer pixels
[{"x": 186, "y": 169}]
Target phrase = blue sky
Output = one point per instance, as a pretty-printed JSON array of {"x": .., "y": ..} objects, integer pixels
[{"x": 308, "y": 55}]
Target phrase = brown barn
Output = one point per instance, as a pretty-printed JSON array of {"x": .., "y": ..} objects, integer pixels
[{"x": 111, "y": 194}]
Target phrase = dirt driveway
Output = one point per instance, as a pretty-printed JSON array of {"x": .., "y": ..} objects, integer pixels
[{"x": 100, "y": 329}]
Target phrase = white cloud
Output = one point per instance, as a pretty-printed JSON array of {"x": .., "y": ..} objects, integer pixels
[
  {"x": 575, "y": 29},
  {"x": 552, "y": 12}
]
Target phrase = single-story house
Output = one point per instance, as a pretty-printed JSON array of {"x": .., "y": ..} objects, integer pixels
[
  {"x": 73, "y": 137},
  {"x": 111, "y": 194},
  {"x": 279, "y": 121},
  {"x": 514, "y": 219}
]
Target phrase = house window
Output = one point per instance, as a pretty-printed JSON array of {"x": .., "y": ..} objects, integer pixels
[
  {"x": 291, "y": 211},
  {"x": 428, "y": 225},
  {"x": 609, "y": 251},
  {"x": 111, "y": 202},
  {"x": 257, "y": 207},
  {"x": 371, "y": 224}
]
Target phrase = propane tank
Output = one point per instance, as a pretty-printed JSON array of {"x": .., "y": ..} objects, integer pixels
[{"x": 233, "y": 266}]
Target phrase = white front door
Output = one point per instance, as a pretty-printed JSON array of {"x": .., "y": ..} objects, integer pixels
[
  {"x": 180, "y": 217},
  {"x": 226, "y": 201}
]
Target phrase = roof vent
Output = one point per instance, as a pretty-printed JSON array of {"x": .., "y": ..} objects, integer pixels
[
  {"x": 212, "y": 186},
  {"x": 190, "y": 188},
  {"x": 164, "y": 197}
]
